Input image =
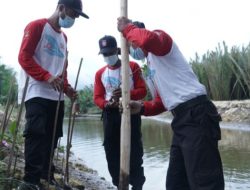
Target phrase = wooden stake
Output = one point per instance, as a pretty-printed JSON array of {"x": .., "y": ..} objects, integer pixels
[
  {"x": 5, "y": 120},
  {"x": 125, "y": 124},
  {"x": 55, "y": 121},
  {"x": 70, "y": 131},
  {"x": 17, "y": 126}
]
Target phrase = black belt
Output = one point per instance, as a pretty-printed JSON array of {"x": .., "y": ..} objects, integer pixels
[{"x": 188, "y": 104}]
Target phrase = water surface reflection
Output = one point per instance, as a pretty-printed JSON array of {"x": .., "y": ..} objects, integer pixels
[{"x": 234, "y": 148}]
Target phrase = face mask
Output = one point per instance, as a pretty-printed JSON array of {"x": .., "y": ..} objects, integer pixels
[
  {"x": 111, "y": 60},
  {"x": 137, "y": 53},
  {"x": 67, "y": 22}
]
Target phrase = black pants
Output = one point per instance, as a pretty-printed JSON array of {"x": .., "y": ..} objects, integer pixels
[
  {"x": 195, "y": 162},
  {"x": 112, "y": 124},
  {"x": 38, "y": 133}
]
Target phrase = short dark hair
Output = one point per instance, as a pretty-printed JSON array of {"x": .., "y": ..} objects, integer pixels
[{"x": 139, "y": 24}]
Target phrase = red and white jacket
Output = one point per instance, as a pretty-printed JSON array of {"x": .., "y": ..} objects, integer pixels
[
  {"x": 107, "y": 79},
  {"x": 42, "y": 54},
  {"x": 172, "y": 76}
]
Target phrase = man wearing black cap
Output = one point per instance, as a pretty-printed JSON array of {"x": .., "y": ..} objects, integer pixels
[
  {"x": 43, "y": 57},
  {"x": 107, "y": 92},
  {"x": 194, "y": 162},
  {"x": 75, "y": 5}
]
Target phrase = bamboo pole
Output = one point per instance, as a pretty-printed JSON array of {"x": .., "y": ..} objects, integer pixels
[
  {"x": 70, "y": 130},
  {"x": 125, "y": 124}
]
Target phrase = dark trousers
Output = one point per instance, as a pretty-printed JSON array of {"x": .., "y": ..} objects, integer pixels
[
  {"x": 112, "y": 124},
  {"x": 195, "y": 162},
  {"x": 38, "y": 133}
]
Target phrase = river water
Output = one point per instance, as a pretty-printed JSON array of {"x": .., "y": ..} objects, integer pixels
[{"x": 234, "y": 148}]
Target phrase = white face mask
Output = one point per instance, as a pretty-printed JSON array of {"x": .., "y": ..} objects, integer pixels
[
  {"x": 137, "y": 53},
  {"x": 111, "y": 60},
  {"x": 67, "y": 22}
]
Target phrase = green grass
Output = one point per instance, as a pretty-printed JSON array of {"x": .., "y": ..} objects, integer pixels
[{"x": 226, "y": 74}]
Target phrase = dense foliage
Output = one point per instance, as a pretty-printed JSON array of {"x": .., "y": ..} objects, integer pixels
[
  {"x": 226, "y": 74},
  {"x": 85, "y": 100},
  {"x": 8, "y": 84}
]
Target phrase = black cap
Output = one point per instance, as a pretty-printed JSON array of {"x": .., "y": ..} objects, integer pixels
[
  {"x": 107, "y": 44},
  {"x": 139, "y": 24},
  {"x": 75, "y": 5}
]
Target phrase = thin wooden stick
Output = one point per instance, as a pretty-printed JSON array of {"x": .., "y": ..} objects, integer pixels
[
  {"x": 14, "y": 168},
  {"x": 125, "y": 123},
  {"x": 65, "y": 179},
  {"x": 6, "y": 110},
  {"x": 17, "y": 124},
  {"x": 57, "y": 152},
  {"x": 8, "y": 117},
  {"x": 55, "y": 121},
  {"x": 74, "y": 113},
  {"x": 7, "y": 120},
  {"x": 70, "y": 131}
]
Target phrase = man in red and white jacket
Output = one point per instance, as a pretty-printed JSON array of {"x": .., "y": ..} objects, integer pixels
[
  {"x": 43, "y": 59},
  {"x": 195, "y": 162},
  {"x": 107, "y": 92}
]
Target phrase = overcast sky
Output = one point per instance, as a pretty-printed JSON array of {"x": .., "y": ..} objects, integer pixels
[{"x": 196, "y": 26}]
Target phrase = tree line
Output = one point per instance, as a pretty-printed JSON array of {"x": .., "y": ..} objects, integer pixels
[
  {"x": 7, "y": 81},
  {"x": 225, "y": 73}
]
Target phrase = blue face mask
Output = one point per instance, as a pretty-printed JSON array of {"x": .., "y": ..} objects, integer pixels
[
  {"x": 111, "y": 60},
  {"x": 137, "y": 53},
  {"x": 67, "y": 22}
]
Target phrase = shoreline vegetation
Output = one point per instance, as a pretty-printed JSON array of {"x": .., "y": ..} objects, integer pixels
[{"x": 235, "y": 115}]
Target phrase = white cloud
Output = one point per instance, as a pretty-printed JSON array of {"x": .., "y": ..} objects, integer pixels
[{"x": 196, "y": 26}]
